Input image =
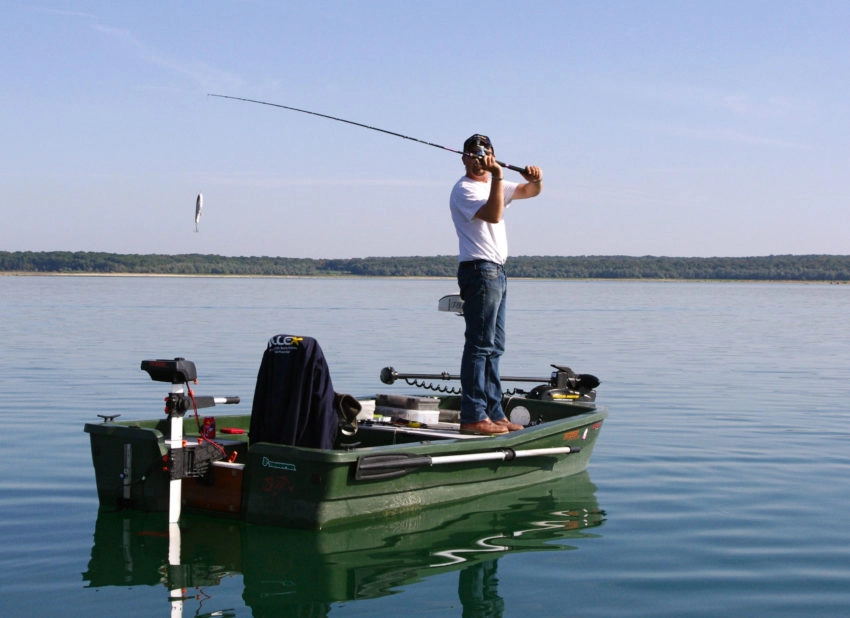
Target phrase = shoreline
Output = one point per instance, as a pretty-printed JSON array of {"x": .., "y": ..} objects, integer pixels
[
  {"x": 410, "y": 277},
  {"x": 804, "y": 268}
]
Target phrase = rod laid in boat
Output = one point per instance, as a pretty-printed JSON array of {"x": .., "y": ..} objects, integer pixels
[
  {"x": 383, "y": 466},
  {"x": 390, "y": 375}
]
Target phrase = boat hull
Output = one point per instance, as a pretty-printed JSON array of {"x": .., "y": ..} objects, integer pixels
[{"x": 281, "y": 485}]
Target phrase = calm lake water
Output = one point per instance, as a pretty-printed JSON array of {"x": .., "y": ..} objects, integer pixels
[{"x": 720, "y": 484}]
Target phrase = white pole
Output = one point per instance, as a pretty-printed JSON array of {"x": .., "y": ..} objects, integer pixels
[{"x": 175, "y": 496}]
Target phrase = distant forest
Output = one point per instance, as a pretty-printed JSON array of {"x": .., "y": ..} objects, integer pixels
[{"x": 833, "y": 268}]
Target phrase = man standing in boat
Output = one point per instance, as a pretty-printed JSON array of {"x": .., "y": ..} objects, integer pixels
[{"x": 478, "y": 202}]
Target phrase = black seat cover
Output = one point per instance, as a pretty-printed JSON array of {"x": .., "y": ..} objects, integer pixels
[{"x": 294, "y": 396}]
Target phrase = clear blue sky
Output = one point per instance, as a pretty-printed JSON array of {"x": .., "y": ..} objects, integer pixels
[{"x": 711, "y": 128}]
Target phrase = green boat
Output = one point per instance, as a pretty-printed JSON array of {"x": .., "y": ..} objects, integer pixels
[{"x": 387, "y": 455}]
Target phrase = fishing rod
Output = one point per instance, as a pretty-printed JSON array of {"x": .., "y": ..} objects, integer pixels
[{"x": 521, "y": 170}]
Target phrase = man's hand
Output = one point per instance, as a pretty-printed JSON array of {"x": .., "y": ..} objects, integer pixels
[
  {"x": 534, "y": 183},
  {"x": 533, "y": 173},
  {"x": 488, "y": 162}
]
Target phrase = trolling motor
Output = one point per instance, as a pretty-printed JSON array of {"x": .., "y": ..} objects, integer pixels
[
  {"x": 183, "y": 461},
  {"x": 563, "y": 384},
  {"x": 566, "y": 384},
  {"x": 181, "y": 371}
]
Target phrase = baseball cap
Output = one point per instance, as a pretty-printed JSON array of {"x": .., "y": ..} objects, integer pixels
[{"x": 477, "y": 143}]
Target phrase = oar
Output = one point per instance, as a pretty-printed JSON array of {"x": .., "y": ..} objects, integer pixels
[{"x": 391, "y": 465}]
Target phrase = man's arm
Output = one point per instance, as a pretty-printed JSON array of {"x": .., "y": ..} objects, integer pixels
[
  {"x": 534, "y": 183},
  {"x": 494, "y": 209}
]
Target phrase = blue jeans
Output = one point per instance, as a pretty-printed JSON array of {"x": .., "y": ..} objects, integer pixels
[{"x": 483, "y": 287}]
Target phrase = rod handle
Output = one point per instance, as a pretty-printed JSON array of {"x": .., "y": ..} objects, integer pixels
[{"x": 521, "y": 170}]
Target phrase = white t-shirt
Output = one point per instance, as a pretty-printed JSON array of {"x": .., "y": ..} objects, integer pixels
[{"x": 478, "y": 239}]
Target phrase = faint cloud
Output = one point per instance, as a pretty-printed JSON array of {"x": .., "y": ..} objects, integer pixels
[
  {"x": 732, "y": 136},
  {"x": 690, "y": 96},
  {"x": 258, "y": 180},
  {"x": 720, "y": 107},
  {"x": 200, "y": 73},
  {"x": 54, "y": 11},
  {"x": 771, "y": 107}
]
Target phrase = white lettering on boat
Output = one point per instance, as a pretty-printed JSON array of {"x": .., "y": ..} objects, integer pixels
[{"x": 278, "y": 465}]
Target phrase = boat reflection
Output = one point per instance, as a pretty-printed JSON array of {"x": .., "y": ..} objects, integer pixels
[{"x": 285, "y": 570}]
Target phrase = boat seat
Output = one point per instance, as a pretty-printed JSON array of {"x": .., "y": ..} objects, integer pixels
[{"x": 294, "y": 395}]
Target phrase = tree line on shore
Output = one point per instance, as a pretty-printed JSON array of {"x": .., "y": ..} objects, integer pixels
[{"x": 833, "y": 268}]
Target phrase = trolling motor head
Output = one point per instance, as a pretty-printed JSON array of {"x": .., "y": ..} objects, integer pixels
[
  {"x": 176, "y": 371},
  {"x": 564, "y": 377},
  {"x": 388, "y": 375},
  {"x": 566, "y": 384}
]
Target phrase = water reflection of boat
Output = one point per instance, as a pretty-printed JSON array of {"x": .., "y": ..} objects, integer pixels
[{"x": 283, "y": 569}]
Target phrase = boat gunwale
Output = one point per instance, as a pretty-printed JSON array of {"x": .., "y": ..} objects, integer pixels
[
  {"x": 513, "y": 439},
  {"x": 347, "y": 455}
]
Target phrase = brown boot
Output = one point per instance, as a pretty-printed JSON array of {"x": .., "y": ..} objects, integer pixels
[
  {"x": 486, "y": 426},
  {"x": 506, "y": 423}
]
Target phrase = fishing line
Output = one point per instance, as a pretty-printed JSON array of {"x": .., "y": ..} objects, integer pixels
[{"x": 359, "y": 124}]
